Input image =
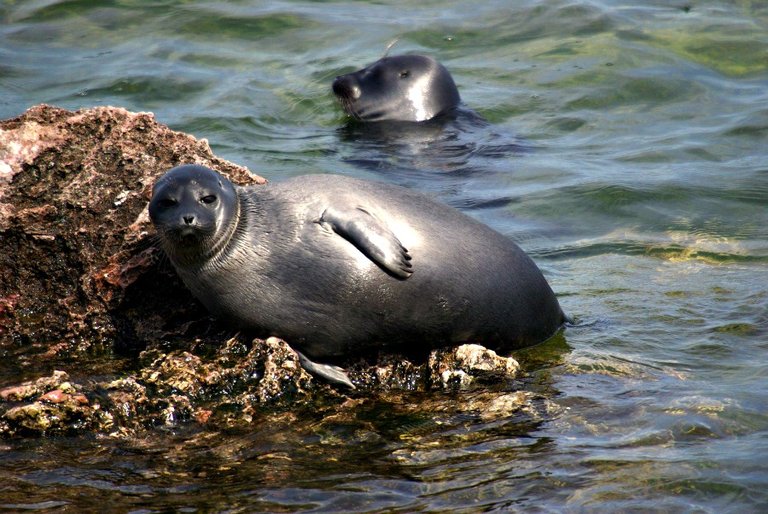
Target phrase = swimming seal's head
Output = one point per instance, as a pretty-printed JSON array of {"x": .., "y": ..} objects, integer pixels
[
  {"x": 397, "y": 88},
  {"x": 195, "y": 211}
]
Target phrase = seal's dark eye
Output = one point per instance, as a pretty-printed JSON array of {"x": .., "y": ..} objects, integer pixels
[
  {"x": 208, "y": 199},
  {"x": 404, "y": 74},
  {"x": 167, "y": 203}
]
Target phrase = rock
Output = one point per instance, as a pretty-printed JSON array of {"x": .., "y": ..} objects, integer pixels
[
  {"x": 34, "y": 388},
  {"x": 282, "y": 374},
  {"x": 82, "y": 283},
  {"x": 463, "y": 365},
  {"x": 60, "y": 408},
  {"x": 456, "y": 368},
  {"x": 78, "y": 264}
]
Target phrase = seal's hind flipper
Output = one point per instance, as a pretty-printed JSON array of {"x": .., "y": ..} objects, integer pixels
[
  {"x": 333, "y": 374},
  {"x": 372, "y": 237}
]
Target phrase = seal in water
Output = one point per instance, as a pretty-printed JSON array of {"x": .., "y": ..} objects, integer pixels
[
  {"x": 341, "y": 267},
  {"x": 398, "y": 88},
  {"x": 421, "y": 128}
]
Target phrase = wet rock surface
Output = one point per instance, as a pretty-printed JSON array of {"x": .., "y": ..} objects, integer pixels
[{"x": 97, "y": 334}]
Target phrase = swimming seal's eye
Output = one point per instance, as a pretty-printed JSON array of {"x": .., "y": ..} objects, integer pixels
[
  {"x": 208, "y": 199},
  {"x": 404, "y": 74},
  {"x": 167, "y": 203}
]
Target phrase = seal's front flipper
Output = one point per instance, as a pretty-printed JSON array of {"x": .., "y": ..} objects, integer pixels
[
  {"x": 333, "y": 374},
  {"x": 372, "y": 237}
]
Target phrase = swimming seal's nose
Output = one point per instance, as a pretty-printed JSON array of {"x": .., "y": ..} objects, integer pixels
[
  {"x": 346, "y": 87},
  {"x": 189, "y": 219}
]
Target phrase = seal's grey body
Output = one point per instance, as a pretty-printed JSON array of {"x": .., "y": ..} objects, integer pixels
[
  {"x": 397, "y": 88},
  {"x": 341, "y": 267}
]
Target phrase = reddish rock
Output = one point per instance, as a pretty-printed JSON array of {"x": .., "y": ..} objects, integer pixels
[
  {"x": 55, "y": 396},
  {"x": 13, "y": 393},
  {"x": 202, "y": 415},
  {"x": 33, "y": 388},
  {"x": 78, "y": 266}
]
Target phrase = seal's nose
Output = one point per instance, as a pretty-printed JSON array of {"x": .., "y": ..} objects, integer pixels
[
  {"x": 189, "y": 219},
  {"x": 346, "y": 87}
]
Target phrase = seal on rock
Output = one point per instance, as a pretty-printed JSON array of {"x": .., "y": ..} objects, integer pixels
[
  {"x": 398, "y": 88},
  {"x": 341, "y": 267}
]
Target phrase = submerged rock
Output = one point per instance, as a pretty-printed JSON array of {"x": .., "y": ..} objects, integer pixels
[{"x": 82, "y": 284}]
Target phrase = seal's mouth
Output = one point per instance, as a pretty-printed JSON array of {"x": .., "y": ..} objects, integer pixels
[
  {"x": 185, "y": 246},
  {"x": 363, "y": 114},
  {"x": 360, "y": 113},
  {"x": 190, "y": 239},
  {"x": 186, "y": 237},
  {"x": 349, "y": 107}
]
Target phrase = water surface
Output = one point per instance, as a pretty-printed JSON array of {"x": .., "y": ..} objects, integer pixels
[{"x": 633, "y": 168}]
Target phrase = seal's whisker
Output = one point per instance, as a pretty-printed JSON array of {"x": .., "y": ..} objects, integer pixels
[{"x": 390, "y": 45}]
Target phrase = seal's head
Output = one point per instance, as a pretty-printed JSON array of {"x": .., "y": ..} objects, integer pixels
[
  {"x": 195, "y": 211},
  {"x": 397, "y": 88}
]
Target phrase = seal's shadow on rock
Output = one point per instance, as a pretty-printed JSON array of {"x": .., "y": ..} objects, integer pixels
[{"x": 169, "y": 314}]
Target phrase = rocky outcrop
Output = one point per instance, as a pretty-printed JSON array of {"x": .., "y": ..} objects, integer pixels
[
  {"x": 81, "y": 281},
  {"x": 78, "y": 266}
]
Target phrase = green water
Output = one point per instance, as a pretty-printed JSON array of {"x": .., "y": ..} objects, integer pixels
[{"x": 640, "y": 188}]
